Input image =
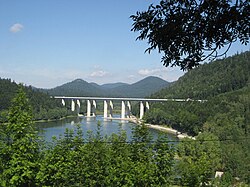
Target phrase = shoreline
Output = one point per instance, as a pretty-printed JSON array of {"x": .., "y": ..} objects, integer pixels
[
  {"x": 178, "y": 134},
  {"x": 50, "y": 120},
  {"x": 169, "y": 130}
]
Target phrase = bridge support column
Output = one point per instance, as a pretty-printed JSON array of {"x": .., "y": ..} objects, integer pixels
[
  {"x": 88, "y": 108},
  {"x": 128, "y": 109},
  {"x": 94, "y": 108},
  {"x": 123, "y": 110},
  {"x": 105, "y": 110},
  {"x": 141, "y": 110},
  {"x": 78, "y": 105},
  {"x": 72, "y": 105},
  {"x": 111, "y": 107},
  {"x": 63, "y": 102},
  {"x": 147, "y": 105}
]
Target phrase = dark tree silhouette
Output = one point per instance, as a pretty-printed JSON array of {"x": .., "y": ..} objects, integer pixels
[{"x": 190, "y": 31}]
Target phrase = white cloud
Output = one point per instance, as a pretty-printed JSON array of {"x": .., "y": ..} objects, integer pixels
[
  {"x": 147, "y": 72},
  {"x": 131, "y": 76},
  {"x": 99, "y": 73},
  {"x": 169, "y": 73},
  {"x": 97, "y": 66},
  {"x": 17, "y": 27}
]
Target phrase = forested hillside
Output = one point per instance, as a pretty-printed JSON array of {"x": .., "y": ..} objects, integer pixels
[
  {"x": 79, "y": 87},
  {"x": 225, "y": 84},
  {"x": 211, "y": 79},
  {"x": 142, "y": 88},
  {"x": 43, "y": 106},
  {"x": 113, "y": 85}
]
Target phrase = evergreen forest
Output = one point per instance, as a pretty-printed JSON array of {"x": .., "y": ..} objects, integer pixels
[
  {"x": 225, "y": 114},
  {"x": 43, "y": 107}
]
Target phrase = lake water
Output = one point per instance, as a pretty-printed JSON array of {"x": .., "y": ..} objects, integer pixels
[{"x": 57, "y": 128}]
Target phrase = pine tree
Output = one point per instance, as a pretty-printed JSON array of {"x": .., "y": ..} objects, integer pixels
[{"x": 20, "y": 145}]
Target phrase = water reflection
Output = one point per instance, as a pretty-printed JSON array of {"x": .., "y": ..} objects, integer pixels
[{"x": 57, "y": 128}]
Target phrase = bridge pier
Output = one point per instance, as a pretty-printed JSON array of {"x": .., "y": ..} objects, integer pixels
[
  {"x": 72, "y": 105},
  {"x": 105, "y": 109},
  {"x": 111, "y": 107},
  {"x": 147, "y": 105},
  {"x": 88, "y": 108},
  {"x": 141, "y": 109},
  {"x": 78, "y": 105},
  {"x": 63, "y": 102},
  {"x": 123, "y": 110},
  {"x": 94, "y": 108},
  {"x": 91, "y": 109},
  {"x": 128, "y": 111}
]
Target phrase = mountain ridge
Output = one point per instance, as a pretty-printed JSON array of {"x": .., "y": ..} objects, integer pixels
[
  {"x": 113, "y": 85},
  {"x": 211, "y": 79},
  {"x": 79, "y": 87}
]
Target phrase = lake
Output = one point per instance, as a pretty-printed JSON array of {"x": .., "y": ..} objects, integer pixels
[{"x": 57, "y": 128}]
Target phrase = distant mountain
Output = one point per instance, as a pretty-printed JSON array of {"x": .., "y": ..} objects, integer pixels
[
  {"x": 80, "y": 87},
  {"x": 95, "y": 85},
  {"x": 142, "y": 88},
  {"x": 113, "y": 85},
  {"x": 77, "y": 87}
]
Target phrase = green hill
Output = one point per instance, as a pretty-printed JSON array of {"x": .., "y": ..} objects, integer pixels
[
  {"x": 43, "y": 106},
  {"x": 226, "y": 114},
  {"x": 219, "y": 79},
  {"x": 142, "y": 88},
  {"x": 77, "y": 87},
  {"x": 113, "y": 85},
  {"x": 211, "y": 79},
  {"x": 80, "y": 87}
]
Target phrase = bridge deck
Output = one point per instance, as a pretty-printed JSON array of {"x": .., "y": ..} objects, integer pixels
[{"x": 125, "y": 99}]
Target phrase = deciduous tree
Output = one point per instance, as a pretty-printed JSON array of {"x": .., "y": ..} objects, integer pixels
[
  {"x": 199, "y": 159},
  {"x": 190, "y": 31}
]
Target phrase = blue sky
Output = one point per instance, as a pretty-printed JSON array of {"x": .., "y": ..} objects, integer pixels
[{"x": 46, "y": 43}]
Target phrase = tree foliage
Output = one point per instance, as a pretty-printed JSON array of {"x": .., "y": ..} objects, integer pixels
[
  {"x": 199, "y": 159},
  {"x": 20, "y": 150},
  {"x": 97, "y": 160},
  {"x": 225, "y": 85},
  {"x": 72, "y": 160},
  {"x": 42, "y": 105},
  {"x": 189, "y": 31},
  {"x": 107, "y": 161}
]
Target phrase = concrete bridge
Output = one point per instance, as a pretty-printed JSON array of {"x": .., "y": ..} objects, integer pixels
[{"x": 108, "y": 105}]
